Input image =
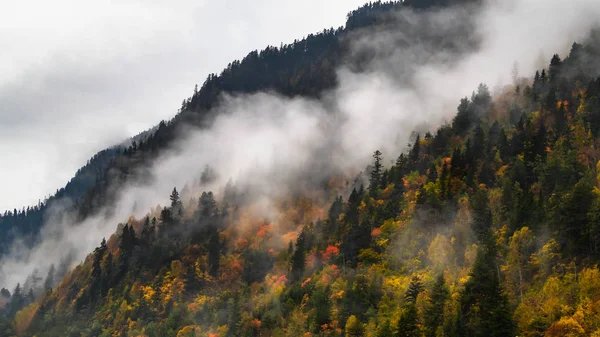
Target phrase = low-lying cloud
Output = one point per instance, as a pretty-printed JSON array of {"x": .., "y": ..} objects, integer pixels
[{"x": 80, "y": 77}]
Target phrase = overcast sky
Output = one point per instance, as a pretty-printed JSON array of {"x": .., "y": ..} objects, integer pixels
[{"x": 80, "y": 76}]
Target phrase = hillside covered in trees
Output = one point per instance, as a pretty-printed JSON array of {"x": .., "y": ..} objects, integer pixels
[
  {"x": 305, "y": 67},
  {"x": 488, "y": 226}
]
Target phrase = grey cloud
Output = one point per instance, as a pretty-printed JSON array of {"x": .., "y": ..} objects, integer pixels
[{"x": 78, "y": 78}]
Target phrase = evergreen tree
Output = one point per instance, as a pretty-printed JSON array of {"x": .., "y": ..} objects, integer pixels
[
  {"x": 414, "y": 289},
  {"x": 299, "y": 256},
  {"x": 433, "y": 316},
  {"x": 408, "y": 324},
  {"x": 96, "y": 284},
  {"x": 166, "y": 216},
  {"x": 214, "y": 252},
  {"x": 336, "y": 209},
  {"x": 49, "y": 282},
  {"x": 17, "y": 301},
  {"x": 482, "y": 216},
  {"x": 554, "y": 69},
  {"x": 147, "y": 232},
  {"x": 484, "y": 308},
  {"x": 462, "y": 120},
  {"x": 375, "y": 181},
  {"x": 175, "y": 200},
  {"x": 107, "y": 275},
  {"x": 321, "y": 301},
  {"x": 413, "y": 156}
]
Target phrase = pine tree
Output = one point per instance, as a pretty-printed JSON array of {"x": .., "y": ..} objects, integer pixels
[
  {"x": 462, "y": 120},
  {"x": 433, "y": 316},
  {"x": 414, "y": 289},
  {"x": 49, "y": 282},
  {"x": 299, "y": 256},
  {"x": 408, "y": 324},
  {"x": 554, "y": 69},
  {"x": 214, "y": 252},
  {"x": 174, "y": 197},
  {"x": 484, "y": 308},
  {"x": 126, "y": 245},
  {"x": 147, "y": 232},
  {"x": 336, "y": 209},
  {"x": 413, "y": 156},
  {"x": 96, "y": 283},
  {"x": 321, "y": 301},
  {"x": 166, "y": 216},
  {"x": 375, "y": 181},
  {"x": 482, "y": 216},
  {"x": 17, "y": 300}
]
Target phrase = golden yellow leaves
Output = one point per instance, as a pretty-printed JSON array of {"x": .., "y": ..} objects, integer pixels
[
  {"x": 24, "y": 317},
  {"x": 148, "y": 294},
  {"x": 190, "y": 331}
]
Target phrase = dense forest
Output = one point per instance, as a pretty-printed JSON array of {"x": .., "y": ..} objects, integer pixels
[{"x": 488, "y": 226}]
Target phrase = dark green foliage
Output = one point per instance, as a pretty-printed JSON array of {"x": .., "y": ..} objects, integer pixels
[
  {"x": 482, "y": 216},
  {"x": 433, "y": 317},
  {"x": 413, "y": 155},
  {"x": 484, "y": 308},
  {"x": 299, "y": 256},
  {"x": 408, "y": 322},
  {"x": 321, "y": 301},
  {"x": 414, "y": 289},
  {"x": 571, "y": 218},
  {"x": 463, "y": 119},
  {"x": 50, "y": 279},
  {"x": 376, "y": 173}
]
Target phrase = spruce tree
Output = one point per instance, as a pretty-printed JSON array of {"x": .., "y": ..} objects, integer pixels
[
  {"x": 482, "y": 216},
  {"x": 484, "y": 308},
  {"x": 376, "y": 172},
  {"x": 413, "y": 156},
  {"x": 408, "y": 324},
  {"x": 49, "y": 282},
  {"x": 174, "y": 197},
  {"x": 433, "y": 316}
]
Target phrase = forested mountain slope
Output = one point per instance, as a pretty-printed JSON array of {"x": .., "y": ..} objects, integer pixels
[
  {"x": 306, "y": 67},
  {"x": 487, "y": 227}
]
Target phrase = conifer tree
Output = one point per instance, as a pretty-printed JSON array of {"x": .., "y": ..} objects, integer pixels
[
  {"x": 49, "y": 282},
  {"x": 433, "y": 316},
  {"x": 408, "y": 324},
  {"x": 484, "y": 308},
  {"x": 413, "y": 156},
  {"x": 376, "y": 173},
  {"x": 482, "y": 216},
  {"x": 174, "y": 197}
]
